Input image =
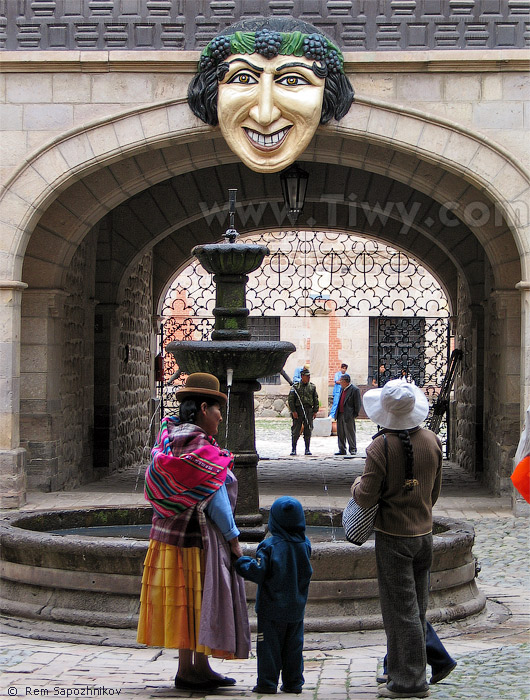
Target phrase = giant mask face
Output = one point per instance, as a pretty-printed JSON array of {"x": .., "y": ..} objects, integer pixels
[{"x": 269, "y": 90}]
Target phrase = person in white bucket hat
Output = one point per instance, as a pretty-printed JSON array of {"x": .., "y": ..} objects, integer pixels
[{"x": 403, "y": 474}]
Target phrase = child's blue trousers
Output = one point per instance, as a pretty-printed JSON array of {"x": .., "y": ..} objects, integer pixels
[{"x": 279, "y": 648}]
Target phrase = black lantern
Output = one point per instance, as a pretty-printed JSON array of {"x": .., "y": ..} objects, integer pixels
[{"x": 294, "y": 186}]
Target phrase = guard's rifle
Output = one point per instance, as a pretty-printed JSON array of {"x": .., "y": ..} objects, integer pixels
[{"x": 441, "y": 404}]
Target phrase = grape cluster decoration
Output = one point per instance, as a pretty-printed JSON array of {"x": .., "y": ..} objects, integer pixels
[
  {"x": 220, "y": 48},
  {"x": 315, "y": 46},
  {"x": 270, "y": 44},
  {"x": 267, "y": 43}
]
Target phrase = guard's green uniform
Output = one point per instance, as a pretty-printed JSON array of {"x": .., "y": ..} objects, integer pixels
[{"x": 307, "y": 395}]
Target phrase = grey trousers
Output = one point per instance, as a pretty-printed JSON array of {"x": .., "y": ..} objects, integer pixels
[
  {"x": 403, "y": 565},
  {"x": 346, "y": 433}
]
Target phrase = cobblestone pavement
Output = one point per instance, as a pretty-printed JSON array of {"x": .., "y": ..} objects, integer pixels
[{"x": 492, "y": 649}]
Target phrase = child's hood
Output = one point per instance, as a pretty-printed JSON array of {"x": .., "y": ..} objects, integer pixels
[{"x": 287, "y": 519}]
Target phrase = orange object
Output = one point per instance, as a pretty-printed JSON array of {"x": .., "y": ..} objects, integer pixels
[{"x": 521, "y": 478}]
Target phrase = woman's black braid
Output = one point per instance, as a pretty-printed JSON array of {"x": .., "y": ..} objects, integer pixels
[
  {"x": 315, "y": 46},
  {"x": 410, "y": 481},
  {"x": 267, "y": 43}
]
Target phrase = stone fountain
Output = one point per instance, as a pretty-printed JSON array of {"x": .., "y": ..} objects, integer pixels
[{"x": 236, "y": 360}]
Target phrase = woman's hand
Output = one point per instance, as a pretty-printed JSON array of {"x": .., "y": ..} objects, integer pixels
[
  {"x": 235, "y": 548},
  {"x": 357, "y": 481}
]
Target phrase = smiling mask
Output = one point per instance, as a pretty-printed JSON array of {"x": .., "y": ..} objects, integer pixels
[{"x": 269, "y": 89}]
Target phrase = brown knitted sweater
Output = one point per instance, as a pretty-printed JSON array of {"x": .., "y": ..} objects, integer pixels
[{"x": 403, "y": 513}]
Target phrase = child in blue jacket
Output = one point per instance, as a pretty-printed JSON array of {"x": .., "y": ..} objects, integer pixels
[{"x": 282, "y": 571}]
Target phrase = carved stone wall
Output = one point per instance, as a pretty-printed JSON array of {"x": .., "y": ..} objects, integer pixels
[
  {"x": 463, "y": 408},
  {"x": 135, "y": 367},
  {"x": 356, "y": 25}
]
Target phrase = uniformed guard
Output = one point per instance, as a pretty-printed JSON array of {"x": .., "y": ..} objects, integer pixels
[{"x": 303, "y": 405}]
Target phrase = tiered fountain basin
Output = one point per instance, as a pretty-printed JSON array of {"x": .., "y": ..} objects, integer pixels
[{"x": 95, "y": 581}]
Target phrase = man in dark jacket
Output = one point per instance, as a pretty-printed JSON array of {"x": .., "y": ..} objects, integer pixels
[
  {"x": 303, "y": 404},
  {"x": 282, "y": 571},
  {"x": 347, "y": 411}
]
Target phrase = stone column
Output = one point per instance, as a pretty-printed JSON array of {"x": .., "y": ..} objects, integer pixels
[
  {"x": 503, "y": 388},
  {"x": 12, "y": 456},
  {"x": 41, "y": 423}
]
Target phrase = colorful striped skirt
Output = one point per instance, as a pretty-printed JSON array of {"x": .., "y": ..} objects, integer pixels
[{"x": 171, "y": 598}]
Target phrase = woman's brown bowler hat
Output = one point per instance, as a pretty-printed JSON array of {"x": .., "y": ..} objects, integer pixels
[{"x": 201, "y": 384}]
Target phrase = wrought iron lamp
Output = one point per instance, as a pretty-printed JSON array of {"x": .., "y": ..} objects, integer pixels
[{"x": 294, "y": 187}]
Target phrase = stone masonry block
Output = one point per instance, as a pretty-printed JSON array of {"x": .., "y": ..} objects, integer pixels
[
  {"x": 51, "y": 166},
  {"x": 419, "y": 88},
  {"x": 408, "y": 130},
  {"x": 380, "y": 85},
  {"x": 29, "y": 88},
  {"x": 434, "y": 138},
  {"x": 155, "y": 124},
  {"x": 456, "y": 112},
  {"x": 497, "y": 115},
  {"x": 492, "y": 86},
  {"x": 170, "y": 87},
  {"x": 104, "y": 188},
  {"x": 103, "y": 141},
  {"x": 71, "y": 87},
  {"x": 462, "y": 87},
  {"x": 49, "y": 117},
  {"x": 126, "y": 172},
  {"x": 33, "y": 385},
  {"x": 11, "y": 117},
  {"x": 33, "y": 358},
  {"x": 486, "y": 163},
  {"x": 77, "y": 151},
  {"x": 12, "y": 147},
  {"x": 39, "y": 427},
  {"x": 129, "y": 132},
  {"x": 180, "y": 117},
  {"x": 357, "y": 117},
  {"x": 122, "y": 88},
  {"x": 461, "y": 148},
  {"x": 382, "y": 123},
  {"x": 510, "y": 183},
  {"x": 42, "y": 273},
  {"x": 515, "y": 86}
]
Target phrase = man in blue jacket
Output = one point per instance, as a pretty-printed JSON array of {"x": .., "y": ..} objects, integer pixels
[{"x": 282, "y": 571}]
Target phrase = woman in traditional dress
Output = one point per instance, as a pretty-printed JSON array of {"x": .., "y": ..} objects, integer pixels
[{"x": 192, "y": 599}]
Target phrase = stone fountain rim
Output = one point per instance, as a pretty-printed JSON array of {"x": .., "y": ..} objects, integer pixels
[{"x": 11, "y": 529}]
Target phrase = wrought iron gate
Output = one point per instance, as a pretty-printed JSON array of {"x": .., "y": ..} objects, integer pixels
[{"x": 308, "y": 272}]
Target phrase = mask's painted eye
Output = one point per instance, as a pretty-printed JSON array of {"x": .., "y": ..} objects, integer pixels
[
  {"x": 243, "y": 78},
  {"x": 292, "y": 80}
]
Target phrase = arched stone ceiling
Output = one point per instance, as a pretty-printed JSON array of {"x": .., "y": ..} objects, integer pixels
[{"x": 153, "y": 200}]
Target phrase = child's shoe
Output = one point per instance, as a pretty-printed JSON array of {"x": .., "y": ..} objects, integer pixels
[{"x": 294, "y": 691}]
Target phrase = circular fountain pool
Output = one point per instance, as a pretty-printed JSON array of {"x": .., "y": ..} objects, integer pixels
[{"x": 91, "y": 580}]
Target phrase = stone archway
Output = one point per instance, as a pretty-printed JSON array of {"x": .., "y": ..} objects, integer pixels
[{"x": 90, "y": 176}]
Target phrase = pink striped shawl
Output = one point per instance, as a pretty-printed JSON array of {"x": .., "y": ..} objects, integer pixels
[{"x": 187, "y": 466}]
